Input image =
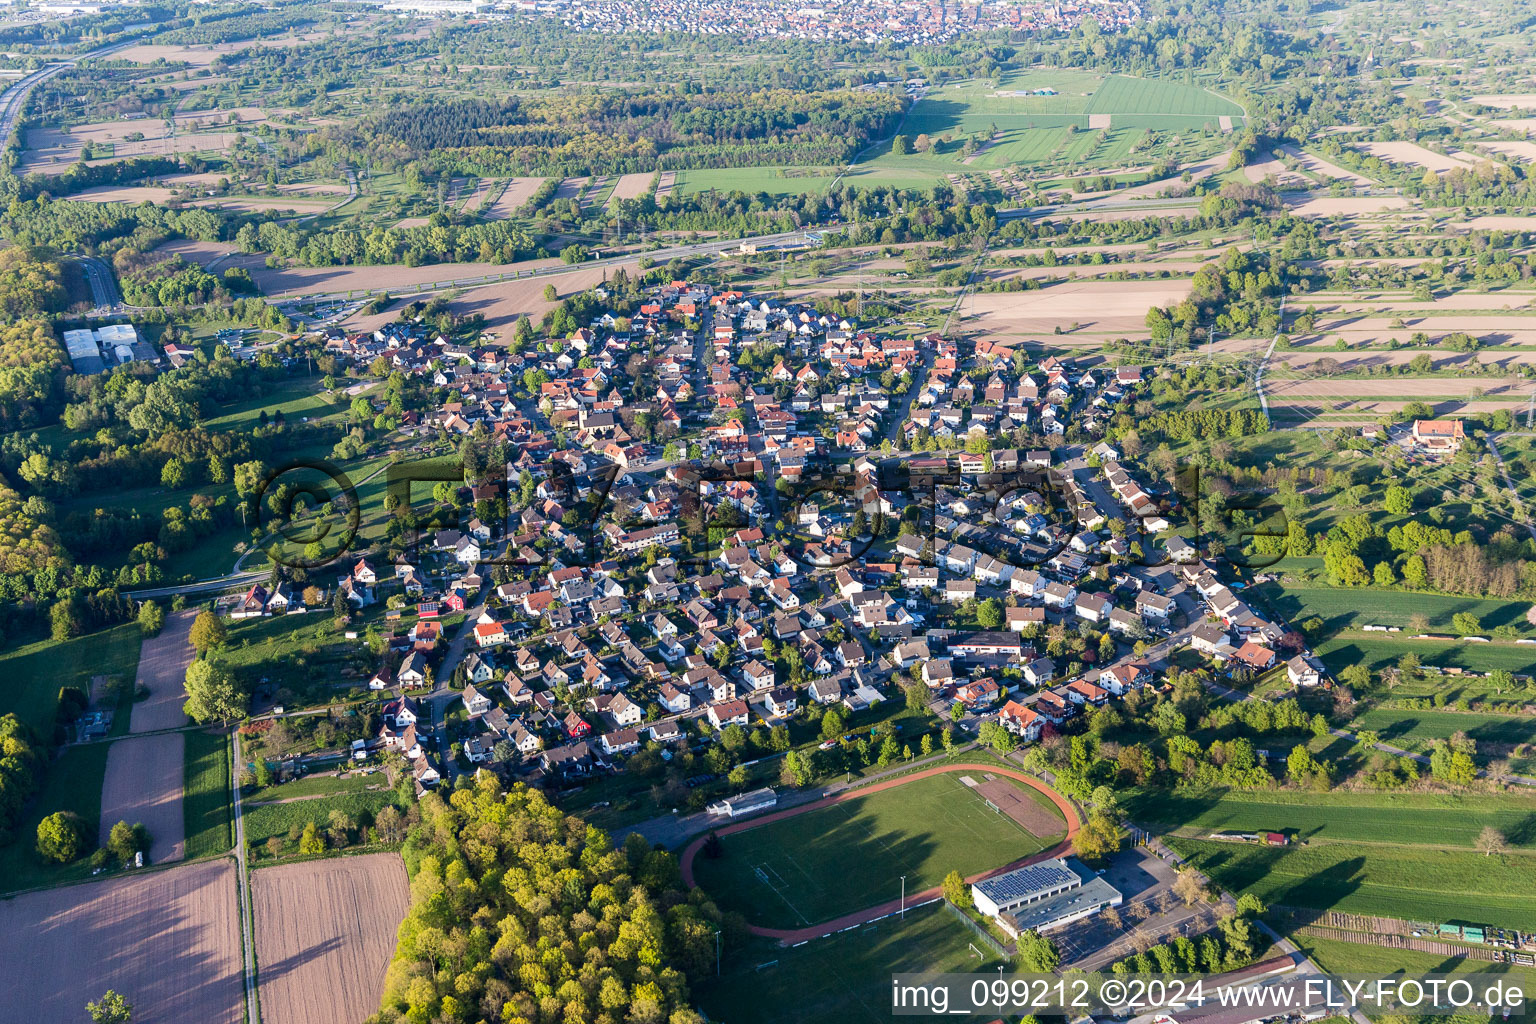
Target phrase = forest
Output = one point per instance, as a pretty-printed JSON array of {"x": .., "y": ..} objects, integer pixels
[
  {"x": 658, "y": 128},
  {"x": 522, "y": 914}
]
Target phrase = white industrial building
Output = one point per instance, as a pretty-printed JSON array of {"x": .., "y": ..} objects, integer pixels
[
  {"x": 93, "y": 351},
  {"x": 743, "y": 804}
]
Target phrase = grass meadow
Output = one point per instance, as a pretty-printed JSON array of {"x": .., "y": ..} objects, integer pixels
[
  {"x": 205, "y": 801},
  {"x": 268, "y": 820},
  {"x": 1420, "y": 883},
  {"x": 819, "y": 865},
  {"x": 1428, "y": 819},
  {"x": 34, "y": 673},
  {"x": 72, "y": 783}
]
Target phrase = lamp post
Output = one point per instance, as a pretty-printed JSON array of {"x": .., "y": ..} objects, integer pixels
[{"x": 903, "y": 897}]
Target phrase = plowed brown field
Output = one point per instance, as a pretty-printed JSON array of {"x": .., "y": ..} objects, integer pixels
[
  {"x": 167, "y": 940},
  {"x": 325, "y": 931}
]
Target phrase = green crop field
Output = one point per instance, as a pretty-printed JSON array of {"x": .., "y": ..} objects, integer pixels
[
  {"x": 1378, "y": 650},
  {"x": 205, "y": 804},
  {"x": 777, "y": 181},
  {"x": 837, "y": 859},
  {"x": 1412, "y": 730},
  {"x": 1122, "y": 94},
  {"x": 1388, "y": 818},
  {"x": 845, "y": 979},
  {"x": 35, "y": 673},
  {"x": 1343, "y": 608},
  {"x": 1414, "y": 883}
]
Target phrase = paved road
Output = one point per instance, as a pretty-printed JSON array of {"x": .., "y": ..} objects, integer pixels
[
  {"x": 217, "y": 584},
  {"x": 103, "y": 286}
]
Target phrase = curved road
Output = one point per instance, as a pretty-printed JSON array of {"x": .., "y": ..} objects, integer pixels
[
  {"x": 858, "y": 917},
  {"x": 15, "y": 97}
]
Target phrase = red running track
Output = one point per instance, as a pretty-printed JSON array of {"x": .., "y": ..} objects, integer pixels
[{"x": 858, "y": 917}]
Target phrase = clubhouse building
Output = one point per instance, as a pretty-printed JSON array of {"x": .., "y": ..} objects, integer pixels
[{"x": 1042, "y": 896}]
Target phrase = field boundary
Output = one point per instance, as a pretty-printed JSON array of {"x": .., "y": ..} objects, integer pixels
[{"x": 788, "y": 936}]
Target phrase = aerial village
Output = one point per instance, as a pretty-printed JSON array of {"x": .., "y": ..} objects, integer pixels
[{"x": 630, "y": 581}]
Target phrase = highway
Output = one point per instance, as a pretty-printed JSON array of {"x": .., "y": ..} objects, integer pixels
[
  {"x": 14, "y": 98},
  {"x": 103, "y": 285}
]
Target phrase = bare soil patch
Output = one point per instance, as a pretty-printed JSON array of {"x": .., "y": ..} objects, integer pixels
[
  {"x": 53, "y": 150},
  {"x": 1094, "y": 305},
  {"x": 1323, "y": 167},
  {"x": 1283, "y": 175},
  {"x": 249, "y": 204},
  {"x": 394, "y": 279},
  {"x": 1344, "y": 206},
  {"x": 1523, "y": 101},
  {"x": 503, "y": 304},
  {"x": 204, "y": 254},
  {"x": 1518, "y": 150},
  {"x": 1497, "y": 223},
  {"x": 1098, "y": 121},
  {"x": 667, "y": 184},
  {"x": 517, "y": 192},
  {"x": 632, "y": 186},
  {"x": 163, "y": 662},
  {"x": 167, "y": 940},
  {"x": 1504, "y": 300},
  {"x": 325, "y": 932},
  {"x": 197, "y": 56},
  {"x": 130, "y": 194},
  {"x": 1404, "y": 388},
  {"x": 1415, "y": 155},
  {"x": 1036, "y": 819},
  {"x": 570, "y": 188},
  {"x": 144, "y": 780}
]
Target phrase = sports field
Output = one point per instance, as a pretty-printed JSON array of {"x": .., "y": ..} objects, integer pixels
[
  {"x": 834, "y": 860},
  {"x": 844, "y": 979},
  {"x": 1418, "y": 883},
  {"x": 1036, "y": 118}
]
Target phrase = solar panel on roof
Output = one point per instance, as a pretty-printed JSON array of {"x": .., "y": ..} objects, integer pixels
[{"x": 1027, "y": 880}]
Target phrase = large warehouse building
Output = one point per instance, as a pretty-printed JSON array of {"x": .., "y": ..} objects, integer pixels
[
  {"x": 1044, "y": 896},
  {"x": 114, "y": 345}
]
